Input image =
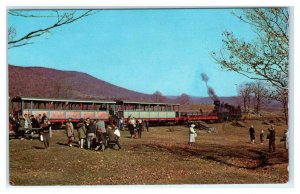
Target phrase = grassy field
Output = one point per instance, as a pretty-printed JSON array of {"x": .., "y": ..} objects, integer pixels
[{"x": 162, "y": 156}]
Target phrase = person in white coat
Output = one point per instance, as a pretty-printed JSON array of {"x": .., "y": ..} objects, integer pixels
[{"x": 193, "y": 135}]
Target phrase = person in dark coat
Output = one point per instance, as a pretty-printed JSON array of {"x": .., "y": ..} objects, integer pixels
[
  {"x": 140, "y": 128},
  {"x": 147, "y": 125},
  {"x": 285, "y": 139},
  {"x": 271, "y": 137},
  {"x": 91, "y": 131},
  {"x": 252, "y": 134},
  {"x": 34, "y": 122},
  {"x": 43, "y": 117},
  {"x": 132, "y": 127},
  {"x": 12, "y": 124},
  {"x": 101, "y": 135},
  {"x": 46, "y": 132}
]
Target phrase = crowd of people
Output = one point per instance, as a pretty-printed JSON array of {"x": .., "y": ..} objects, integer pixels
[
  {"x": 29, "y": 125},
  {"x": 90, "y": 134},
  {"x": 136, "y": 128},
  {"x": 271, "y": 136},
  {"x": 95, "y": 134}
]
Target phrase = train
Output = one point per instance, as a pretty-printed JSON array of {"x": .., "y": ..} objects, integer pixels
[{"x": 59, "y": 110}]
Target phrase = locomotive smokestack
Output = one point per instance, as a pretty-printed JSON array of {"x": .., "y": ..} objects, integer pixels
[{"x": 210, "y": 90}]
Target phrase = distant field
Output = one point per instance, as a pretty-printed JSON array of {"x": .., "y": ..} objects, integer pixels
[{"x": 162, "y": 156}]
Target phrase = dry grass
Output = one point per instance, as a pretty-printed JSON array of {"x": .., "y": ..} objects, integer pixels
[{"x": 162, "y": 156}]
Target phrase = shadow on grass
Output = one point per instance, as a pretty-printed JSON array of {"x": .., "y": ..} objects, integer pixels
[
  {"x": 39, "y": 148},
  {"x": 65, "y": 144},
  {"x": 240, "y": 157}
]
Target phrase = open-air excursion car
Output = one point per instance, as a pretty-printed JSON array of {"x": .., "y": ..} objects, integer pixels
[{"x": 59, "y": 110}]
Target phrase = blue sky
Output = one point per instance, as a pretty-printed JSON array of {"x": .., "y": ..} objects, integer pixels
[{"x": 162, "y": 50}]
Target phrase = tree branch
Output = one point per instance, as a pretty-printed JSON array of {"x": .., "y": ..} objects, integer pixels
[{"x": 61, "y": 20}]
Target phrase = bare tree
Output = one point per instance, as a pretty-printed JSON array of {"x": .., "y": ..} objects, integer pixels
[
  {"x": 266, "y": 57},
  {"x": 281, "y": 95},
  {"x": 260, "y": 94},
  {"x": 184, "y": 99},
  {"x": 158, "y": 97},
  {"x": 56, "y": 18},
  {"x": 245, "y": 90}
]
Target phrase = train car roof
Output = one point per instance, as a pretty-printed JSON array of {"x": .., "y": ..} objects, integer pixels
[
  {"x": 19, "y": 98},
  {"x": 152, "y": 103}
]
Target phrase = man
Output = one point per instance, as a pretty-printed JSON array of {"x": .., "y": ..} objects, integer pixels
[
  {"x": 70, "y": 132},
  {"x": 90, "y": 130},
  {"x": 121, "y": 124},
  {"x": 35, "y": 126},
  {"x": 113, "y": 138},
  {"x": 101, "y": 134},
  {"x": 12, "y": 123},
  {"x": 46, "y": 132},
  {"x": 39, "y": 119},
  {"x": 147, "y": 125},
  {"x": 44, "y": 116},
  {"x": 131, "y": 127},
  {"x": 34, "y": 122},
  {"x": 27, "y": 124},
  {"x": 271, "y": 137},
  {"x": 140, "y": 128},
  {"x": 285, "y": 139},
  {"x": 252, "y": 134}
]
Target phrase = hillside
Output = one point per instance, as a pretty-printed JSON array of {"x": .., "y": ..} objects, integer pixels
[{"x": 52, "y": 83}]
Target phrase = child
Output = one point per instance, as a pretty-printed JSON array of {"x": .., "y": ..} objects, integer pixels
[{"x": 262, "y": 136}]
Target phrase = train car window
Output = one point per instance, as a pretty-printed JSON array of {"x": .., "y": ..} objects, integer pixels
[
  {"x": 26, "y": 104},
  {"x": 58, "y": 105},
  {"x": 88, "y": 106}
]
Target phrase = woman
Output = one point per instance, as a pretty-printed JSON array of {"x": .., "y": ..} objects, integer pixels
[
  {"x": 81, "y": 132},
  {"x": 70, "y": 132},
  {"x": 193, "y": 135}
]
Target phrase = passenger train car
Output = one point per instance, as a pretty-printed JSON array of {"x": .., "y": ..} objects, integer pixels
[{"x": 59, "y": 110}]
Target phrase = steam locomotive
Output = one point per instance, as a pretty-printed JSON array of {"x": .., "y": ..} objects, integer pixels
[{"x": 227, "y": 112}]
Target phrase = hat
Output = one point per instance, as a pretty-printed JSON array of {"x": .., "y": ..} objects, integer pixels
[{"x": 193, "y": 125}]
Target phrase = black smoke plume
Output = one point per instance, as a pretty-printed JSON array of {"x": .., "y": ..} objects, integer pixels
[
  {"x": 210, "y": 90},
  {"x": 204, "y": 77}
]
